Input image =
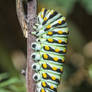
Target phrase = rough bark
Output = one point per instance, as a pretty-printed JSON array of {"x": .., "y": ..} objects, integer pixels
[{"x": 32, "y": 5}]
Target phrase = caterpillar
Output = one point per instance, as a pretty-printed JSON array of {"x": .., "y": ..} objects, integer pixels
[{"x": 51, "y": 31}]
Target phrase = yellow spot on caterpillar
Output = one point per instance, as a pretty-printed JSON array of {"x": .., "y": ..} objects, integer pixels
[
  {"x": 42, "y": 15},
  {"x": 42, "y": 90},
  {"x": 48, "y": 11},
  {"x": 64, "y": 18},
  {"x": 43, "y": 9},
  {"x": 51, "y": 87},
  {"x": 45, "y": 56},
  {"x": 45, "y": 65},
  {"x": 45, "y": 18},
  {"x": 59, "y": 41},
  {"x": 44, "y": 75},
  {"x": 50, "y": 33},
  {"x": 59, "y": 22},
  {"x": 64, "y": 50},
  {"x": 52, "y": 12},
  {"x": 54, "y": 68},
  {"x": 61, "y": 69},
  {"x": 47, "y": 48},
  {"x": 55, "y": 59},
  {"x": 53, "y": 78},
  {"x": 50, "y": 40},
  {"x": 57, "y": 50},
  {"x": 60, "y": 32},
  {"x": 43, "y": 84},
  {"x": 62, "y": 60},
  {"x": 66, "y": 41},
  {"x": 48, "y": 27}
]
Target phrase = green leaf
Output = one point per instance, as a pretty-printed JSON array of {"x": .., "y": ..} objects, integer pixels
[
  {"x": 15, "y": 88},
  {"x": 4, "y": 90},
  {"x": 4, "y": 76},
  {"x": 90, "y": 71},
  {"x": 14, "y": 84},
  {"x": 9, "y": 82}
]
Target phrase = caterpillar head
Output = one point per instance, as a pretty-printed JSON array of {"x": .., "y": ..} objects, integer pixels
[
  {"x": 36, "y": 77},
  {"x": 36, "y": 67},
  {"x": 36, "y": 56},
  {"x": 36, "y": 46}
]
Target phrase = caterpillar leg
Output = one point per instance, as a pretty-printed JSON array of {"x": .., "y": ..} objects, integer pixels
[{"x": 47, "y": 76}]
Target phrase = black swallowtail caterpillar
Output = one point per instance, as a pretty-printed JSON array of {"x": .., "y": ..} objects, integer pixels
[{"x": 50, "y": 48}]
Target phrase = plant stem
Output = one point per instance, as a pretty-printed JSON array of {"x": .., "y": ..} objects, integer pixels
[{"x": 31, "y": 10}]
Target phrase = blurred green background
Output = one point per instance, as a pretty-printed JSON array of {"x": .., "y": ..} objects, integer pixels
[{"x": 78, "y": 66}]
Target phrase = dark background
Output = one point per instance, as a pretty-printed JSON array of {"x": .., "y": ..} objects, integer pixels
[{"x": 78, "y": 66}]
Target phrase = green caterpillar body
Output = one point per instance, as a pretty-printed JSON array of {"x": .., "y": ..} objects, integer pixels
[{"x": 50, "y": 48}]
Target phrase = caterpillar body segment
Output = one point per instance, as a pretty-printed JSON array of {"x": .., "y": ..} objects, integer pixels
[
  {"x": 48, "y": 67},
  {"x": 47, "y": 85},
  {"x": 56, "y": 59},
  {"x": 53, "y": 41},
  {"x": 49, "y": 48},
  {"x": 49, "y": 28},
  {"x": 47, "y": 76}
]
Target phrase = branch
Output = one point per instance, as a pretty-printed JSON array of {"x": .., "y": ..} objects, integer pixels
[
  {"x": 22, "y": 15},
  {"x": 26, "y": 12},
  {"x": 31, "y": 10}
]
